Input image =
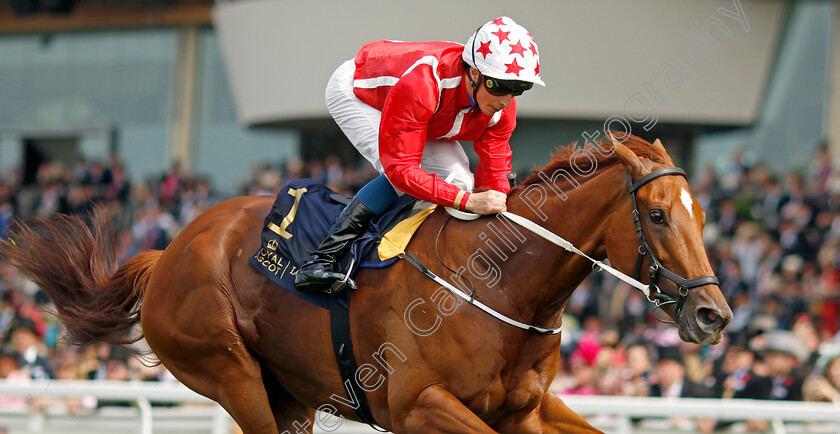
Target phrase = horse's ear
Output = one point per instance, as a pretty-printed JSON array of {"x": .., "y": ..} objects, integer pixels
[
  {"x": 658, "y": 145},
  {"x": 628, "y": 158}
]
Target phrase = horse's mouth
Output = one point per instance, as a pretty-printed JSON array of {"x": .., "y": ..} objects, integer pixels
[{"x": 693, "y": 335}]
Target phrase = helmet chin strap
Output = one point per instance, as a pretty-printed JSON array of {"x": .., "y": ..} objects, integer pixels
[{"x": 475, "y": 84}]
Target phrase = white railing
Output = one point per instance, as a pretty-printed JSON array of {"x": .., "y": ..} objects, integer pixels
[
  {"x": 196, "y": 414},
  {"x": 616, "y": 413}
]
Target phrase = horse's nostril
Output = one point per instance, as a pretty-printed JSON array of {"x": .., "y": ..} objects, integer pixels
[{"x": 708, "y": 317}]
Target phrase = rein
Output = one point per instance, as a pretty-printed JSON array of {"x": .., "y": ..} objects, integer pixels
[{"x": 659, "y": 298}]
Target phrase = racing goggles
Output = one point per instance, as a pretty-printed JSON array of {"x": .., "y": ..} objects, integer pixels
[{"x": 498, "y": 87}]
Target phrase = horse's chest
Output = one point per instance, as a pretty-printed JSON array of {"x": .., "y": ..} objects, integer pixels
[
  {"x": 489, "y": 399},
  {"x": 523, "y": 391}
]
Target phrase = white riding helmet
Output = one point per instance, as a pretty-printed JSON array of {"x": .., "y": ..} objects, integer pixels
[{"x": 504, "y": 50}]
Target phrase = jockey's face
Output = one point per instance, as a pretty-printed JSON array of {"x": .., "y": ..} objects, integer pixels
[{"x": 488, "y": 104}]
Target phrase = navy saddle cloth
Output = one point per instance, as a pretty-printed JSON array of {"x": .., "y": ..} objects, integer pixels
[{"x": 297, "y": 223}]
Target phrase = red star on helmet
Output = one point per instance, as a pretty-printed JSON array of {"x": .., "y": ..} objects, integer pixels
[
  {"x": 533, "y": 45},
  {"x": 503, "y": 36},
  {"x": 514, "y": 68},
  {"x": 484, "y": 49},
  {"x": 536, "y": 69},
  {"x": 498, "y": 22},
  {"x": 517, "y": 49}
]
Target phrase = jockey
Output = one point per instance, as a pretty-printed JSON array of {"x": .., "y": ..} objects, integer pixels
[{"x": 404, "y": 105}]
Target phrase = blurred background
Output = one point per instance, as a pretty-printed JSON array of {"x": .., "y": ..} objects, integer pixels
[{"x": 162, "y": 108}]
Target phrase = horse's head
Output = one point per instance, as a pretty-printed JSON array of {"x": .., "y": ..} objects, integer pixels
[{"x": 668, "y": 254}]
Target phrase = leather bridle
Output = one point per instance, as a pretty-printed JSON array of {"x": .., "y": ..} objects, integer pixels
[{"x": 656, "y": 269}]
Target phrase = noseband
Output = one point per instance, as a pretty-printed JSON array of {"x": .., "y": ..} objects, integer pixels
[{"x": 656, "y": 268}]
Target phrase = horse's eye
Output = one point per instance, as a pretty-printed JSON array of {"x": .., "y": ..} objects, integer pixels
[{"x": 657, "y": 217}]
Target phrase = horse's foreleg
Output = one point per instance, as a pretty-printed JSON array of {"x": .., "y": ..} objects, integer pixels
[
  {"x": 550, "y": 416},
  {"x": 438, "y": 411}
]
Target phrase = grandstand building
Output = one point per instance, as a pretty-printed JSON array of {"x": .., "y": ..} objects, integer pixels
[{"x": 218, "y": 87}]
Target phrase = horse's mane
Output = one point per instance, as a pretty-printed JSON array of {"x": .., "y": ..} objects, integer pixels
[{"x": 561, "y": 158}]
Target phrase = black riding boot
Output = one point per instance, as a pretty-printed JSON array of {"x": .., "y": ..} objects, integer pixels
[{"x": 321, "y": 272}]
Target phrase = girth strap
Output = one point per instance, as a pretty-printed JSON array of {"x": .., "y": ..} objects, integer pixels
[
  {"x": 343, "y": 348},
  {"x": 470, "y": 298}
]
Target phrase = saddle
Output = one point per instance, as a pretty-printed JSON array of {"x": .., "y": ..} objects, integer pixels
[{"x": 300, "y": 219}]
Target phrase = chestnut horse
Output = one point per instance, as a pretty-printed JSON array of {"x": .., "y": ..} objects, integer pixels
[{"x": 426, "y": 362}]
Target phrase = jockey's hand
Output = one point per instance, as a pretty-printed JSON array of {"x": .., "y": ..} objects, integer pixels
[{"x": 487, "y": 202}]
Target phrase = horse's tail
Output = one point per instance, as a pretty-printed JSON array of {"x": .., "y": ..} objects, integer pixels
[{"x": 75, "y": 265}]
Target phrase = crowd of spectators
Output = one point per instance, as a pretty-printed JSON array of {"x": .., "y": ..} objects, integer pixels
[{"x": 773, "y": 241}]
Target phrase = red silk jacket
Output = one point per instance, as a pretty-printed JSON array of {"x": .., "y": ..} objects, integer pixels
[{"x": 418, "y": 88}]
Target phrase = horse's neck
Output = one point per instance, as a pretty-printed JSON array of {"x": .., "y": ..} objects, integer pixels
[{"x": 579, "y": 215}]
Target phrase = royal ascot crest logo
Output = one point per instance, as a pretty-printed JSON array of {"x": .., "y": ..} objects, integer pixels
[{"x": 274, "y": 263}]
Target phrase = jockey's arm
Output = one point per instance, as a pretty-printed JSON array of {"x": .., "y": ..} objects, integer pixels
[
  {"x": 402, "y": 137},
  {"x": 493, "y": 149},
  {"x": 494, "y": 153}
]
